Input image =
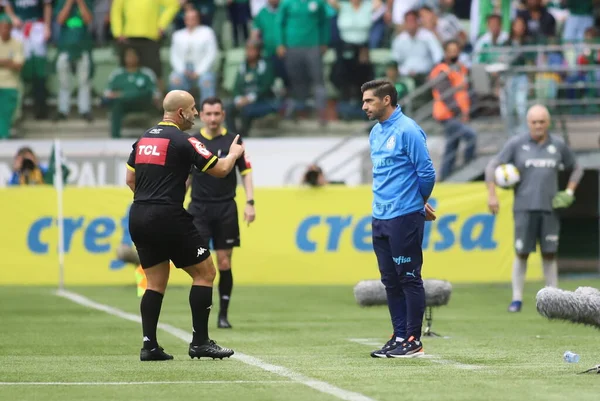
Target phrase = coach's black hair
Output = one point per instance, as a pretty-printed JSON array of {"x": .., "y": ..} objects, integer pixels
[
  {"x": 211, "y": 101},
  {"x": 382, "y": 88},
  {"x": 426, "y": 8}
]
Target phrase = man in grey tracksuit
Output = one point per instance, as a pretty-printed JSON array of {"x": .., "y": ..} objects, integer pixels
[{"x": 539, "y": 157}]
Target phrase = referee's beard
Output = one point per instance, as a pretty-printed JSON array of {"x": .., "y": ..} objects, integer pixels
[{"x": 187, "y": 121}]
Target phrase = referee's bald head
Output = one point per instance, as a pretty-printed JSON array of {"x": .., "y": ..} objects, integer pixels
[
  {"x": 177, "y": 99},
  {"x": 180, "y": 107}
]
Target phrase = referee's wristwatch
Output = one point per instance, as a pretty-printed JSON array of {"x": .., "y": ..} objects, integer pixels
[{"x": 250, "y": 202}]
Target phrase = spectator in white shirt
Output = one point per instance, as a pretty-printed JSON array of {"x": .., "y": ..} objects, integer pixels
[
  {"x": 396, "y": 9},
  {"x": 416, "y": 50},
  {"x": 194, "y": 50},
  {"x": 445, "y": 25}
]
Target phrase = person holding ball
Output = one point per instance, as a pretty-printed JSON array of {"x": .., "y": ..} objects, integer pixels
[{"x": 539, "y": 157}]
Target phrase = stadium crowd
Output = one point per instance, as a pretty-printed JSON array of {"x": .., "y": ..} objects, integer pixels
[{"x": 284, "y": 71}]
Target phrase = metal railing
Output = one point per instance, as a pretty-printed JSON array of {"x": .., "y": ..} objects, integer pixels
[
  {"x": 423, "y": 114},
  {"x": 508, "y": 54},
  {"x": 339, "y": 146}
]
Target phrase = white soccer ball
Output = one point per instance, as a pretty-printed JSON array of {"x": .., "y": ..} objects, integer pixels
[{"x": 507, "y": 175}]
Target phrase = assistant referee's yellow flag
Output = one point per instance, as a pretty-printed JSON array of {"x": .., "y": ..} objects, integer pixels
[{"x": 140, "y": 279}]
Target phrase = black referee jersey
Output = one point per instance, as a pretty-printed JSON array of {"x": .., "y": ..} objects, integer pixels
[
  {"x": 206, "y": 188},
  {"x": 161, "y": 160}
]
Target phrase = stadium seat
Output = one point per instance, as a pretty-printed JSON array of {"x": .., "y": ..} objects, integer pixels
[
  {"x": 379, "y": 59},
  {"x": 105, "y": 62},
  {"x": 232, "y": 60}
]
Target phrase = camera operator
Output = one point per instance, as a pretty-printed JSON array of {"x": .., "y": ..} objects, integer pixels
[
  {"x": 26, "y": 169},
  {"x": 314, "y": 177}
]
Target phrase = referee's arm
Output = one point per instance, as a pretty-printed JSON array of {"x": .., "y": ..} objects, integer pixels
[
  {"x": 210, "y": 164},
  {"x": 245, "y": 168},
  {"x": 222, "y": 166}
]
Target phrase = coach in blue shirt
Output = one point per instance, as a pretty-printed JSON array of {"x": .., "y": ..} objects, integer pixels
[{"x": 403, "y": 179}]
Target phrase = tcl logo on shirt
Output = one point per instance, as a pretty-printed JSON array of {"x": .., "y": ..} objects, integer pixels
[
  {"x": 200, "y": 148},
  {"x": 152, "y": 151}
]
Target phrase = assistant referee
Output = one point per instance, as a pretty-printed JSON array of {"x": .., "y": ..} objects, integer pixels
[
  {"x": 213, "y": 200},
  {"x": 163, "y": 230}
]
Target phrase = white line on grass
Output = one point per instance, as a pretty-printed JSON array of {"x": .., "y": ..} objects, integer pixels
[
  {"x": 373, "y": 342},
  {"x": 145, "y": 383},
  {"x": 318, "y": 385}
]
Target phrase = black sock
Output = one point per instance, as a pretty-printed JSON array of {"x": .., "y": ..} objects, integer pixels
[
  {"x": 200, "y": 303},
  {"x": 150, "y": 310},
  {"x": 225, "y": 287}
]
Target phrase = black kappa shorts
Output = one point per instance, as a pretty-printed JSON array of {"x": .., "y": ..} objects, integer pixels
[
  {"x": 162, "y": 233},
  {"x": 217, "y": 221}
]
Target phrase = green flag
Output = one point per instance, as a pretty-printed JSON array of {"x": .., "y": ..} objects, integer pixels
[{"x": 49, "y": 175}]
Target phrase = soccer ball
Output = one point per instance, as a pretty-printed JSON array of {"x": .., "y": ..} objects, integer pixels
[{"x": 507, "y": 175}]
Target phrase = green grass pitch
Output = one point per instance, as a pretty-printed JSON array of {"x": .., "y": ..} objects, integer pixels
[{"x": 317, "y": 333}]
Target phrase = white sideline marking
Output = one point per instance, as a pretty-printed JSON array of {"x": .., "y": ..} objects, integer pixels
[
  {"x": 318, "y": 385},
  {"x": 373, "y": 342},
  {"x": 142, "y": 383}
]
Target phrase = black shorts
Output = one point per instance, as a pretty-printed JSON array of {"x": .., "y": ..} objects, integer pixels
[
  {"x": 162, "y": 233},
  {"x": 218, "y": 222}
]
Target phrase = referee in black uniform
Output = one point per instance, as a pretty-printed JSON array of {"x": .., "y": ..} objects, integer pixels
[
  {"x": 213, "y": 205},
  {"x": 163, "y": 230}
]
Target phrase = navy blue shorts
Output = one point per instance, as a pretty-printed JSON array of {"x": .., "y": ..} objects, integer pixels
[{"x": 398, "y": 245}]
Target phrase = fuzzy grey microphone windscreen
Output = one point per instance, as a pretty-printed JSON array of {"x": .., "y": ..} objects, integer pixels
[
  {"x": 580, "y": 306},
  {"x": 128, "y": 254},
  {"x": 372, "y": 292}
]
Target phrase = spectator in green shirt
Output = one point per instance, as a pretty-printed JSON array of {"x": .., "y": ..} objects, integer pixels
[
  {"x": 494, "y": 37},
  {"x": 302, "y": 38},
  {"x": 130, "y": 89},
  {"x": 265, "y": 30},
  {"x": 31, "y": 21},
  {"x": 11, "y": 62},
  {"x": 74, "y": 55},
  {"x": 252, "y": 94},
  {"x": 481, "y": 9}
]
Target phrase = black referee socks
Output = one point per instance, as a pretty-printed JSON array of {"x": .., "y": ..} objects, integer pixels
[
  {"x": 225, "y": 287},
  {"x": 150, "y": 310},
  {"x": 200, "y": 303}
]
